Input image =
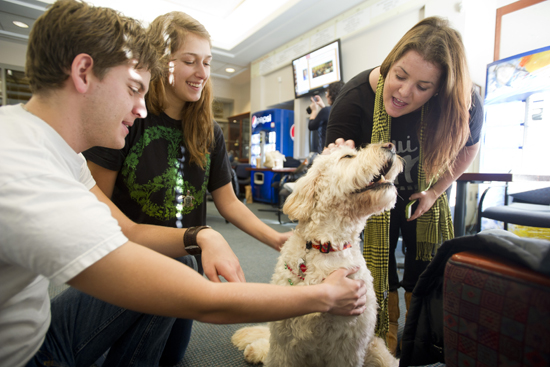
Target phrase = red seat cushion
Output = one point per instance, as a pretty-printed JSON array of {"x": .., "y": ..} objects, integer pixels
[{"x": 495, "y": 312}]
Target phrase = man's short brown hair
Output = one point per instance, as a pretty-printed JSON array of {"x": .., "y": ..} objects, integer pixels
[{"x": 69, "y": 28}]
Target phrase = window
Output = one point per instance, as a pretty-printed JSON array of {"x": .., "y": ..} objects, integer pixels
[{"x": 14, "y": 86}]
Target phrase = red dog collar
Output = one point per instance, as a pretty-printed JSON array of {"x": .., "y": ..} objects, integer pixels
[{"x": 326, "y": 247}]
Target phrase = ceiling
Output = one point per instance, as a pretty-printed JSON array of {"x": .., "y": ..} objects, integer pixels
[{"x": 242, "y": 30}]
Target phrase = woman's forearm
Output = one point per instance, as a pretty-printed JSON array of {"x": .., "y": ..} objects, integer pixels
[{"x": 463, "y": 161}]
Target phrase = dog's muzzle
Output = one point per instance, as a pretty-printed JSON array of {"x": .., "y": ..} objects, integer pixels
[{"x": 379, "y": 180}]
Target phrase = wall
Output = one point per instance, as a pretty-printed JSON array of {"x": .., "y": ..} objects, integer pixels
[
  {"x": 242, "y": 100},
  {"x": 237, "y": 95},
  {"x": 278, "y": 87},
  {"x": 13, "y": 54},
  {"x": 367, "y": 49},
  {"x": 525, "y": 30}
]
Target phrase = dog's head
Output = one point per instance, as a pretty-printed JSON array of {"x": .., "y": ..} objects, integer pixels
[{"x": 347, "y": 182}]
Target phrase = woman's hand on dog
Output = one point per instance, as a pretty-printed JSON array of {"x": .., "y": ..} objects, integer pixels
[
  {"x": 338, "y": 143},
  {"x": 280, "y": 240},
  {"x": 349, "y": 295}
]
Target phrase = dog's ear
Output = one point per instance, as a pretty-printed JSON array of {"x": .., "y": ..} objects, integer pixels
[{"x": 300, "y": 204}]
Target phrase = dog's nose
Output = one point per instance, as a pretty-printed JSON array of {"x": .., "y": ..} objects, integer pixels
[{"x": 390, "y": 147}]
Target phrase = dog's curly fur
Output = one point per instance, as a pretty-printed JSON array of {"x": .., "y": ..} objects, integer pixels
[{"x": 331, "y": 203}]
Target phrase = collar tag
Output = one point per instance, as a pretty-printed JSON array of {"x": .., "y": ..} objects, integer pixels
[{"x": 325, "y": 248}]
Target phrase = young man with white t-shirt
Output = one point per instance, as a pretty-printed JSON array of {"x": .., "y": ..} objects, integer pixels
[{"x": 89, "y": 69}]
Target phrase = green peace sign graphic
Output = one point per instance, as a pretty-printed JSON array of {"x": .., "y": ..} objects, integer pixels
[{"x": 171, "y": 180}]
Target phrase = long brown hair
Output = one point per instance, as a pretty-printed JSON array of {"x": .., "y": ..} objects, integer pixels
[
  {"x": 447, "y": 123},
  {"x": 167, "y": 34}
]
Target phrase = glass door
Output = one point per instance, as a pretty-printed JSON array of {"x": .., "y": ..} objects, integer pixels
[{"x": 238, "y": 139}]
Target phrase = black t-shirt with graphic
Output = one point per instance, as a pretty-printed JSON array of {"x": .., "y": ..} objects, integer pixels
[
  {"x": 154, "y": 173},
  {"x": 351, "y": 117}
]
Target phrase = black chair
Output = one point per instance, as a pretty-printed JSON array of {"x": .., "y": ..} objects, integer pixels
[
  {"x": 235, "y": 182},
  {"x": 284, "y": 190},
  {"x": 243, "y": 176},
  {"x": 528, "y": 208}
]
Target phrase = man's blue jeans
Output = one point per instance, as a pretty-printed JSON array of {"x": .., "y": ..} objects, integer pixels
[{"x": 83, "y": 328}]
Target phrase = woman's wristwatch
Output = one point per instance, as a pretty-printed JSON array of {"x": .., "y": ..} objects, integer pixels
[{"x": 190, "y": 240}]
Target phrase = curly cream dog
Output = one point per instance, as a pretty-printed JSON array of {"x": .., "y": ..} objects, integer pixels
[{"x": 331, "y": 203}]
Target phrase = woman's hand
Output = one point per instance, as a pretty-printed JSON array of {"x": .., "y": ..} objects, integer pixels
[
  {"x": 218, "y": 258},
  {"x": 426, "y": 200},
  {"x": 280, "y": 240},
  {"x": 339, "y": 142}
]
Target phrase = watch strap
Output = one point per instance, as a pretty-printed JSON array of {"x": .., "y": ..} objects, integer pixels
[{"x": 190, "y": 239}]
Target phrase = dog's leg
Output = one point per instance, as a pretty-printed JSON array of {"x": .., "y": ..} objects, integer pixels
[
  {"x": 257, "y": 351},
  {"x": 255, "y": 342},
  {"x": 378, "y": 355},
  {"x": 247, "y": 335}
]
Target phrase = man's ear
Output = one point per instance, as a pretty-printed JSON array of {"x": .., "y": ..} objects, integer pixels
[{"x": 81, "y": 72}]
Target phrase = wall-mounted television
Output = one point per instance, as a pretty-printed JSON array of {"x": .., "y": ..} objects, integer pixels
[{"x": 317, "y": 69}]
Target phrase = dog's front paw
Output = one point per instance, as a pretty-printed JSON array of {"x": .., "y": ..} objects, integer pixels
[
  {"x": 257, "y": 352},
  {"x": 247, "y": 335}
]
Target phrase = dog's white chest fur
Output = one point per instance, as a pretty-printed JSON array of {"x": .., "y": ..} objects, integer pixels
[{"x": 320, "y": 339}]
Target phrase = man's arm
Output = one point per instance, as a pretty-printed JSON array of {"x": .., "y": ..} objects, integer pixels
[
  {"x": 232, "y": 209},
  {"x": 218, "y": 258},
  {"x": 139, "y": 279}
]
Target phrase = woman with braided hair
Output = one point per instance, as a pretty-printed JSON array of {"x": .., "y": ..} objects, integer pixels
[{"x": 421, "y": 99}]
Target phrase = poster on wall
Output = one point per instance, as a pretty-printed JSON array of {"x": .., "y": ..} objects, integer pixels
[{"x": 515, "y": 78}]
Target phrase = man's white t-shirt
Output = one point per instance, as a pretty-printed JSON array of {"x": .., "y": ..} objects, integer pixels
[{"x": 51, "y": 228}]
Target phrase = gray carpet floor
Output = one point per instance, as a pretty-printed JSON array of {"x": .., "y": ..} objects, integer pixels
[{"x": 210, "y": 345}]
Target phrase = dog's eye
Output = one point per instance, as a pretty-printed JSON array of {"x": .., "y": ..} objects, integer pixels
[{"x": 347, "y": 156}]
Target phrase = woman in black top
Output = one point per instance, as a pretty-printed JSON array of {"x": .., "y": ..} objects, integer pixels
[{"x": 421, "y": 99}]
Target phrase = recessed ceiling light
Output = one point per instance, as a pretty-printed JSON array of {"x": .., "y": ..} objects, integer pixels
[
  {"x": 20, "y": 24},
  {"x": 230, "y": 70}
]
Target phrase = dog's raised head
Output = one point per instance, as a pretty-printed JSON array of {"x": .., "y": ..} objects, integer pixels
[{"x": 347, "y": 183}]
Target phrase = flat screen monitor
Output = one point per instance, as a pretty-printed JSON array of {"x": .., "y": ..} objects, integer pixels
[{"x": 317, "y": 69}]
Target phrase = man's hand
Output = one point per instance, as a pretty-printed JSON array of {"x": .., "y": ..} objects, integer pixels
[
  {"x": 349, "y": 295},
  {"x": 218, "y": 258}
]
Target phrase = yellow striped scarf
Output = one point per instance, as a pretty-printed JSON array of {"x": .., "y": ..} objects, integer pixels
[{"x": 432, "y": 228}]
